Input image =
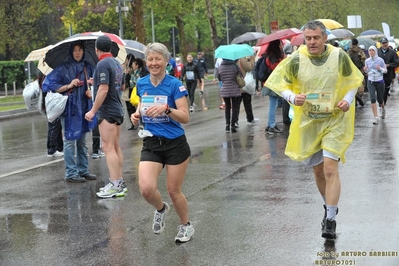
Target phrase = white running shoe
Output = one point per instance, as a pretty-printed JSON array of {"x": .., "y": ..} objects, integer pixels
[
  {"x": 122, "y": 185},
  {"x": 56, "y": 154},
  {"x": 159, "y": 219},
  {"x": 253, "y": 122},
  {"x": 185, "y": 232},
  {"x": 110, "y": 190}
]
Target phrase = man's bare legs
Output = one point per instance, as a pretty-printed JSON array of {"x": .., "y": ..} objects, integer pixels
[
  {"x": 329, "y": 185},
  {"x": 110, "y": 144}
]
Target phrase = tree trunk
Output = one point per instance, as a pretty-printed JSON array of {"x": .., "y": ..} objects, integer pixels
[
  {"x": 138, "y": 21},
  {"x": 212, "y": 23},
  {"x": 182, "y": 37}
]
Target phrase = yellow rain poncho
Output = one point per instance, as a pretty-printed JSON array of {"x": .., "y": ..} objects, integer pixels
[{"x": 318, "y": 123}]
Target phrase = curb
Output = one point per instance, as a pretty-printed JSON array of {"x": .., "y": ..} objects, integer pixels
[{"x": 17, "y": 114}]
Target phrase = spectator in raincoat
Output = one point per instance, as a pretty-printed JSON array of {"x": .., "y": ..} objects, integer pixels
[
  {"x": 320, "y": 81},
  {"x": 70, "y": 79}
]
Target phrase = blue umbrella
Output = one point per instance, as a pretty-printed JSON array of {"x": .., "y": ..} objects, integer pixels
[
  {"x": 234, "y": 51},
  {"x": 372, "y": 34}
]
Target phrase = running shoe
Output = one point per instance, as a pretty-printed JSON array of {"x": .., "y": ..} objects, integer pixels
[
  {"x": 110, "y": 190},
  {"x": 121, "y": 184},
  {"x": 56, "y": 154},
  {"x": 253, "y": 122},
  {"x": 185, "y": 232},
  {"x": 159, "y": 219}
]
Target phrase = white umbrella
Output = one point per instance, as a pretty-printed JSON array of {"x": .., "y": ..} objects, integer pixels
[
  {"x": 331, "y": 37},
  {"x": 342, "y": 33}
]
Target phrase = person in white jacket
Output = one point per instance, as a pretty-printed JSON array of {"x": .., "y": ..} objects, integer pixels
[{"x": 375, "y": 68}]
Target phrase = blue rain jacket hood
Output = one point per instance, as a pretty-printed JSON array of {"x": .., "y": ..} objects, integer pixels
[{"x": 78, "y": 104}]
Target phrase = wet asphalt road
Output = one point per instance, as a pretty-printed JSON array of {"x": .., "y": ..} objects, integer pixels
[{"x": 249, "y": 203}]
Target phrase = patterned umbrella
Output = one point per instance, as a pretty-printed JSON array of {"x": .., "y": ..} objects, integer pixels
[
  {"x": 60, "y": 52},
  {"x": 35, "y": 55},
  {"x": 372, "y": 34}
]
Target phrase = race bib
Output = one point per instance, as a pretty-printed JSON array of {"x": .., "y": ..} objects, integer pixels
[
  {"x": 190, "y": 75},
  {"x": 149, "y": 100},
  {"x": 320, "y": 105}
]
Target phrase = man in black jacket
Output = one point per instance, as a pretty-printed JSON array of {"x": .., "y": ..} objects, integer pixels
[{"x": 391, "y": 60}]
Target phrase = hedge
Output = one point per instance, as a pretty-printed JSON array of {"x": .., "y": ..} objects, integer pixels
[{"x": 13, "y": 71}]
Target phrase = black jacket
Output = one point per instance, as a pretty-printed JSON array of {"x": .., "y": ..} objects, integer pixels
[
  {"x": 390, "y": 57},
  {"x": 190, "y": 67}
]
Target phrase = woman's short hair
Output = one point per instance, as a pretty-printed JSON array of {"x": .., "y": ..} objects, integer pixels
[{"x": 158, "y": 48}]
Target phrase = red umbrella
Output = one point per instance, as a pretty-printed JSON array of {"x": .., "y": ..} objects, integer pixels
[
  {"x": 279, "y": 35},
  {"x": 262, "y": 49},
  {"x": 297, "y": 40}
]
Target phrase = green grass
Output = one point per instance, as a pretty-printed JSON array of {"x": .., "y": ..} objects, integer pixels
[
  {"x": 12, "y": 107},
  {"x": 11, "y": 99}
]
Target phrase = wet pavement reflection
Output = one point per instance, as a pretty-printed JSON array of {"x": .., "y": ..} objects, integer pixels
[{"x": 249, "y": 203}]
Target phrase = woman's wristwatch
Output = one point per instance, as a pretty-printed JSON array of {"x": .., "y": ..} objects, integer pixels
[{"x": 168, "y": 110}]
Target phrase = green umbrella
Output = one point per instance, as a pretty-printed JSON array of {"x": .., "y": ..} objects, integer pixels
[
  {"x": 234, "y": 51},
  {"x": 367, "y": 42}
]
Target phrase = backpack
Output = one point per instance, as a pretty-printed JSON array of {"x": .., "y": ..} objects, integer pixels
[
  {"x": 356, "y": 58},
  {"x": 170, "y": 70},
  {"x": 261, "y": 70}
]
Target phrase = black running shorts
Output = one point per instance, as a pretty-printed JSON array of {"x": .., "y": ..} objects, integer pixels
[{"x": 165, "y": 151}]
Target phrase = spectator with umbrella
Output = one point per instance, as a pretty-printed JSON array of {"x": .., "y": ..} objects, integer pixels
[{"x": 70, "y": 78}]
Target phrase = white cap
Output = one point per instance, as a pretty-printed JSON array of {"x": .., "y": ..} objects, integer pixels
[{"x": 177, "y": 59}]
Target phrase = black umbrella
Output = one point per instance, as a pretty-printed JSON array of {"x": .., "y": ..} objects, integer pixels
[
  {"x": 248, "y": 36},
  {"x": 60, "y": 52}
]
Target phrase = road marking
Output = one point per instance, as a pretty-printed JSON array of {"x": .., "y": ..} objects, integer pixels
[{"x": 31, "y": 168}]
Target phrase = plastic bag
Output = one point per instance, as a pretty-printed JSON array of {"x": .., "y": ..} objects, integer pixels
[
  {"x": 134, "y": 99},
  {"x": 55, "y": 105},
  {"x": 250, "y": 83},
  {"x": 32, "y": 95}
]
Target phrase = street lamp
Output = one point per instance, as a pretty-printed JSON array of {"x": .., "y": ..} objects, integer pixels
[{"x": 119, "y": 10}]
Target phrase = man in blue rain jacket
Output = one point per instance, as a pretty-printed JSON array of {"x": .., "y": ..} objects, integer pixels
[{"x": 70, "y": 79}]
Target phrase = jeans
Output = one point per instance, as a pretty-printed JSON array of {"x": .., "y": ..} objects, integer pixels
[
  {"x": 54, "y": 137},
  {"x": 272, "y": 111},
  {"x": 78, "y": 166}
]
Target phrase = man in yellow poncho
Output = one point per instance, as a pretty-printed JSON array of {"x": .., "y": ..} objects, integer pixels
[{"x": 320, "y": 81}]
